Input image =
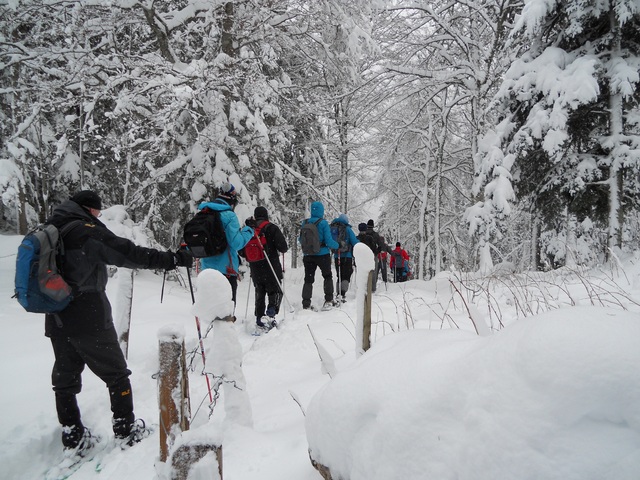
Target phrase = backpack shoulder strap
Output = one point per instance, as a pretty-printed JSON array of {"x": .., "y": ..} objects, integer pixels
[
  {"x": 66, "y": 229},
  {"x": 259, "y": 230},
  {"x": 70, "y": 226}
]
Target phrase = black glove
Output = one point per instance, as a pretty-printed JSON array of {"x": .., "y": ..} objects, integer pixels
[
  {"x": 251, "y": 222},
  {"x": 183, "y": 258}
]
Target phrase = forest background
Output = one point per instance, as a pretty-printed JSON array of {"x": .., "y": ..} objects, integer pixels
[{"x": 476, "y": 132}]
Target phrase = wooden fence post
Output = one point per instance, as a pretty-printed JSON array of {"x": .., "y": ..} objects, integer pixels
[
  {"x": 366, "y": 324},
  {"x": 173, "y": 380},
  {"x": 187, "y": 455}
]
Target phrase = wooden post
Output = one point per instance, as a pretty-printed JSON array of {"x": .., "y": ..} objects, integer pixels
[
  {"x": 187, "y": 455},
  {"x": 366, "y": 324},
  {"x": 175, "y": 410}
]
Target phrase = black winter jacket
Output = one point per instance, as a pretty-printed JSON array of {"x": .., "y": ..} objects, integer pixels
[
  {"x": 89, "y": 247},
  {"x": 276, "y": 244}
]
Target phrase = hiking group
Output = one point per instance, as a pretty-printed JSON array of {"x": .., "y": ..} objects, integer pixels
[
  {"x": 318, "y": 239},
  {"x": 70, "y": 286}
]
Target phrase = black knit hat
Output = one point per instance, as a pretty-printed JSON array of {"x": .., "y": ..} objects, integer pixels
[
  {"x": 88, "y": 198},
  {"x": 370, "y": 223},
  {"x": 362, "y": 227},
  {"x": 260, "y": 213},
  {"x": 398, "y": 244}
]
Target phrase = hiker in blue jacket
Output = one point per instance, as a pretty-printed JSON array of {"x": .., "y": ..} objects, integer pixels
[
  {"x": 320, "y": 259},
  {"x": 343, "y": 257},
  {"x": 227, "y": 263}
]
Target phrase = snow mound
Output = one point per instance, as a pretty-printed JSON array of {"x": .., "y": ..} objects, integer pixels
[{"x": 556, "y": 396}]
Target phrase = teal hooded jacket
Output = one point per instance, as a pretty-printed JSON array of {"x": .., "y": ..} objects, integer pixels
[
  {"x": 227, "y": 263},
  {"x": 324, "y": 231}
]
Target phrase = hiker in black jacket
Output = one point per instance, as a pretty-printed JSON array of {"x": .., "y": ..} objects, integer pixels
[
  {"x": 83, "y": 333},
  {"x": 381, "y": 246},
  {"x": 267, "y": 275}
]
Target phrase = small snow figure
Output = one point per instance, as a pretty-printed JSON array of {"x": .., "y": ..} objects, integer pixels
[{"x": 223, "y": 351}]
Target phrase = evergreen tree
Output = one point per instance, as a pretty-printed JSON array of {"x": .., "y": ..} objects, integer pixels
[{"x": 569, "y": 137}]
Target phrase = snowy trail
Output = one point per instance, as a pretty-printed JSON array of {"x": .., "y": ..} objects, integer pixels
[{"x": 281, "y": 368}]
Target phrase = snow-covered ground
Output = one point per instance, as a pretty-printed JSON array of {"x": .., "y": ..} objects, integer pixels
[{"x": 549, "y": 397}]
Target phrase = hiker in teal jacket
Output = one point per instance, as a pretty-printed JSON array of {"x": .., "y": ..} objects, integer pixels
[
  {"x": 321, "y": 260},
  {"x": 227, "y": 263},
  {"x": 343, "y": 258}
]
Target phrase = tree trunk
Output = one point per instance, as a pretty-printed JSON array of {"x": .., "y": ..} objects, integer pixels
[
  {"x": 615, "y": 131},
  {"x": 122, "y": 317},
  {"x": 343, "y": 134},
  {"x": 571, "y": 245},
  {"x": 436, "y": 214},
  {"x": 22, "y": 213},
  {"x": 226, "y": 42}
]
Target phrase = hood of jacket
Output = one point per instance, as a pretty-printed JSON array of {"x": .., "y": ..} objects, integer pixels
[
  {"x": 342, "y": 219},
  {"x": 218, "y": 204},
  {"x": 317, "y": 210}
]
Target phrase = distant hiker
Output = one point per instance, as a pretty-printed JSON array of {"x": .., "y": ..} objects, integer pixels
[
  {"x": 262, "y": 254},
  {"x": 381, "y": 246},
  {"x": 342, "y": 232},
  {"x": 83, "y": 333},
  {"x": 399, "y": 263},
  {"x": 315, "y": 241},
  {"x": 382, "y": 261},
  {"x": 227, "y": 262},
  {"x": 365, "y": 237}
]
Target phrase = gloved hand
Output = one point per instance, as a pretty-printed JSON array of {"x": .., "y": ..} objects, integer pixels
[
  {"x": 250, "y": 222},
  {"x": 183, "y": 258}
]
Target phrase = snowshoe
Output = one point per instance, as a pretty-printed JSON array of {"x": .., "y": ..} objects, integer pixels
[
  {"x": 263, "y": 325},
  {"x": 74, "y": 457},
  {"x": 329, "y": 304},
  {"x": 138, "y": 432}
]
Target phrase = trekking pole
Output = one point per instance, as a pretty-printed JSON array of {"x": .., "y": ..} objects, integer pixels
[
  {"x": 164, "y": 278},
  {"x": 338, "y": 280},
  {"x": 246, "y": 310},
  {"x": 283, "y": 284},
  {"x": 193, "y": 300},
  {"x": 275, "y": 276}
]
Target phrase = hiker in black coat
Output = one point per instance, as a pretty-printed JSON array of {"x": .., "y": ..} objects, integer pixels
[
  {"x": 267, "y": 284},
  {"x": 83, "y": 333},
  {"x": 381, "y": 246}
]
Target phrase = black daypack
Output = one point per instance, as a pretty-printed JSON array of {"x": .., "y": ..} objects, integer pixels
[
  {"x": 368, "y": 240},
  {"x": 310, "y": 237},
  {"x": 339, "y": 234},
  {"x": 39, "y": 284},
  {"x": 204, "y": 234}
]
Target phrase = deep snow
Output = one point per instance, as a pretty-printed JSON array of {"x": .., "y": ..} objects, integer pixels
[{"x": 556, "y": 396}]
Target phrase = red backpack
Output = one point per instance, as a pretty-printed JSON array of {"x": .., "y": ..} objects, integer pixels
[{"x": 254, "y": 249}]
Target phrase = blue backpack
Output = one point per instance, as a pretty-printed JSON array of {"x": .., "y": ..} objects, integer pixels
[
  {"x": 39, "y": 286},
  {"x": 339, "y": 234}
]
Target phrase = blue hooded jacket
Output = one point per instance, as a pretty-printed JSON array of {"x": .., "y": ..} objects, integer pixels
[
  {"x": 351, "y": 237},
  {"x": 324, "y": 232},
  {"x": 236, "y": 238}
]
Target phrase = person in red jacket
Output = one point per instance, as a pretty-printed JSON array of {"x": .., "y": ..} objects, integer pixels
[{"x": 399, "y": 263}]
